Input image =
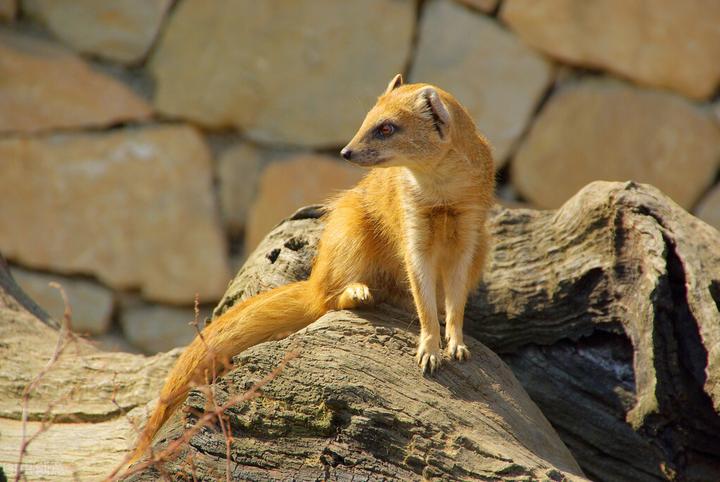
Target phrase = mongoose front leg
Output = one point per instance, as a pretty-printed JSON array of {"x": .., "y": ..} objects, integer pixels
[
  {"x": 423, "y": 281},
  {"x": 455, "y": 286},
  {"x": 356, "y": 295}
]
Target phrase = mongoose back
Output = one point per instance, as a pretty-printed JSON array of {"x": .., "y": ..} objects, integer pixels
[{"x": 412, "y": 231}]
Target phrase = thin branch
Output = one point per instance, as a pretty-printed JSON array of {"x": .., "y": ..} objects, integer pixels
[{"x": 65, "y": 338}]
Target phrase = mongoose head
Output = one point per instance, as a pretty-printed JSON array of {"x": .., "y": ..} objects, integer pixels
[{"x": 410, "y": 125}]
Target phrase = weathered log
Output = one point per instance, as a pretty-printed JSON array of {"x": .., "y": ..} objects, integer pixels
[
  {"x": 606, "y": 310},
  {"x": 354, "y": 405}
]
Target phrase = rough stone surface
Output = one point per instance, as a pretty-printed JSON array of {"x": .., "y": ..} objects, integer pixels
[
  {"x": 289, "y": 184},
  {"x": 482, "y": 5},
  {"x": 497, "y": 78},
  {"x": 664, "y": 43},
  {"x": 114, "y": 340},
  {"x": 8, "y": 9},
  {"x": 91, "y": 303},
  {"x": 508, "y": 197},
  {"x": 601, "y": 129},
  {"x": 239, "y": 170},
  {"x": 47, "y": 87},
  {"x": 607, "y": 311},
  {"x": 60, "y": 212},
  {"x": 157, "y": 328},
  {"x": 206, "y": 71},
  {"x": 119, "y": 30},
  {"x": 709, "y": 208}
]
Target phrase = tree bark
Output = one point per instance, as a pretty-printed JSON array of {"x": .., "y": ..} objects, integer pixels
[{"x": 606, "y": 310}]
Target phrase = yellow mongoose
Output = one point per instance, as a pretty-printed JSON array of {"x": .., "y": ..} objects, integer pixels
[{"x": 414, "y": 225}]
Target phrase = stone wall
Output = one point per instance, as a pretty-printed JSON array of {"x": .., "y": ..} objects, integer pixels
[{"x": 147, "y": 145}]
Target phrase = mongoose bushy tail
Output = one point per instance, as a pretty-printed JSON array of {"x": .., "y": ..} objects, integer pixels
[{"x": 268, "y": 316}]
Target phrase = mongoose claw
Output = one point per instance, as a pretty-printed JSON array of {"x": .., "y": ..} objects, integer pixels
[
  {"x": 428, "y": 357},
  {"x": 458, "y": 351},
  {"x": 429, "y": 363}
]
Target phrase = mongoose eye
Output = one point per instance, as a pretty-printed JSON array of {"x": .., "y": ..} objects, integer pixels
[{"x": 384, "y": 130}]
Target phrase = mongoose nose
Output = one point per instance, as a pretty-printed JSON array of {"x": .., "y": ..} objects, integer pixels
[{"x": 346, "y": 153}]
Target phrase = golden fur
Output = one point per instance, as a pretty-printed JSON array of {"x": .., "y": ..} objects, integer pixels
[{"x": 414, "y": 225}]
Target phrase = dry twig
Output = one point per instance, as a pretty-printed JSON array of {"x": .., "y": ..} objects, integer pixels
[
  {"x": 207, "y": 419},
  {"x": 65, "y": 338},
  {"x": 213, "y": 411}
]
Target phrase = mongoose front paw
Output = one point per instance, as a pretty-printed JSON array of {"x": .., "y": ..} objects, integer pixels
[
  {"x": 457, "y": 350},
  {"x": 429, "y": 355}
]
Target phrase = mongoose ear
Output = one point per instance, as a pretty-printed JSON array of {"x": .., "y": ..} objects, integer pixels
[
  {"x": 396, "y": 82},
  {"x": 431, "y": 105}
]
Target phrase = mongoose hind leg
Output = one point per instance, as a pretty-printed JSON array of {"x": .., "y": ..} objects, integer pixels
[{"x": 356, "y": 295}]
